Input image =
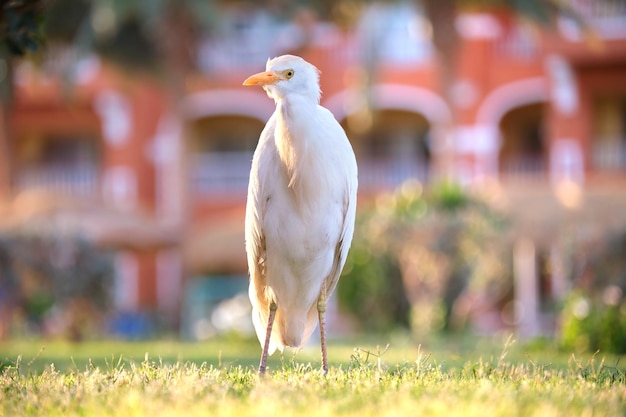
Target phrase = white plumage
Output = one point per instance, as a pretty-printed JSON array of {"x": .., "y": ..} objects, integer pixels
[{"x": 300, "y": 210}]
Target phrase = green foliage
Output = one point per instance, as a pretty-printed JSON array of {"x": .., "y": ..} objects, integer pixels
[
  {"x": 20, "y": 32},
  {"x": 137, "y": 35},
  {"x": 41, "y": 274},
  {"x": 594, "y": 315},
  {"x": 450, "y": 196},
  {"x": 430, "y": 248},
  {"x": 65, "y": 19},
  {"x": 20, "y": 26},
  {"x": 371, "y": 289},
  {"x": 130, "y": 46},
  {"x": 592, "y": 325}
]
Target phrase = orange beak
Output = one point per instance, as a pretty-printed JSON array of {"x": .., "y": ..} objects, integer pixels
[{"x": 263, "y": 78}]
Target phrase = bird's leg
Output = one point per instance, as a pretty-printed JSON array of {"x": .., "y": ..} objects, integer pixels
[
  {"x": 268, "y": 335},
  {"x": 321, "y": 310}
]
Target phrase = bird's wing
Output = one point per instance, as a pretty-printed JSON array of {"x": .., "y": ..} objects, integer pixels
[
  {"x": 345, "y": 240},
  {"x": 348, "y": 161},
  {"x": 255, "y": 210}
]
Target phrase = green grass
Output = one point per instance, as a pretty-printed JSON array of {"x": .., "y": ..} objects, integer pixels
[{"x": 453, "y": 377}]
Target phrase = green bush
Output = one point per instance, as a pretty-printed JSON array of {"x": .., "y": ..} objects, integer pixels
[
  {"x": 590, "y": 324},
  {"x": 594, "y": 315},
  {"x": 60, "y": 275},
  {"x": 415, "y": 254},
  {"x": 372, "y": 290}
]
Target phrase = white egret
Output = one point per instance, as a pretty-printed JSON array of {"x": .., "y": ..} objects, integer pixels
[{"x": 300, "y": 209}]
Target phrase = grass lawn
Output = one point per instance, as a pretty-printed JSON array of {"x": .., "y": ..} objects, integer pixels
[{"x": 449, "y": 377}]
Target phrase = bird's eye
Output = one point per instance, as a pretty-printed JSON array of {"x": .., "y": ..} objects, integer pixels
[{"x": 289, "y": 73}]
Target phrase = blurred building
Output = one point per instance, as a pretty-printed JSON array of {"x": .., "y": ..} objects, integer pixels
[{"x": 535, "y": 118}]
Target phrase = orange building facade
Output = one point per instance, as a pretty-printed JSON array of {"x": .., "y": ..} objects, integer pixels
[{"x": 536, "y": 119}]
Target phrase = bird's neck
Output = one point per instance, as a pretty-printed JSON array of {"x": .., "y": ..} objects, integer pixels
[{"x": 296, "y": 118}]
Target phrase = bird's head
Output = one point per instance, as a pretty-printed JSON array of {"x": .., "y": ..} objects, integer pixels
[{"x": 286, "y": 75}]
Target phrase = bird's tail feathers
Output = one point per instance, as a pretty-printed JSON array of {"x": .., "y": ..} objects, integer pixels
[
  {"x": 294, "y": 329},
  {"x": 288, "y": 331}
]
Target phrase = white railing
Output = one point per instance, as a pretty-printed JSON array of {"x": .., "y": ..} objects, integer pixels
[
  {"x": 381, "y": 174},
  {"x": 603, "y": 9},
  {"x": 518, "y": 43},
  {"x": 220, "y": 172},
  {"x": 520, "y": 166},
  {"x": 609, "y": 155},
  {"x": 608, "y": 17},
  {"x": 228, "y": 173},
  {"x": 82, "y": 180}
]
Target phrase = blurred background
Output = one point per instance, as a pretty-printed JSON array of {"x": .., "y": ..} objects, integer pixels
[{"x": 490, "y": 137}]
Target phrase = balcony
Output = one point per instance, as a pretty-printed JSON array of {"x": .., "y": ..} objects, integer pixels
[
  {"x": 377, "y": 174},
  {"x": 609, "y": 156},
  {"x": 223, "y": 173},
  {"x": 519, "y": 44},
  {"x": 522, "y": 167},
  {"x": 226, "y": 174},
  {"x": 607, "y": 17},
  {"x": 80, "y": 180}
]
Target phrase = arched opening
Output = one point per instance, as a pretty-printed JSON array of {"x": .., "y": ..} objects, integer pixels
[
  {"x": 523, "y": 148},
  {"x": 395, "y": 149},
  {"x": 221, "y": 150}
]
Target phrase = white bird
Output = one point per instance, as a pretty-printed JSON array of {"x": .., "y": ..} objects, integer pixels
[{"x": 300, "y": 210}]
